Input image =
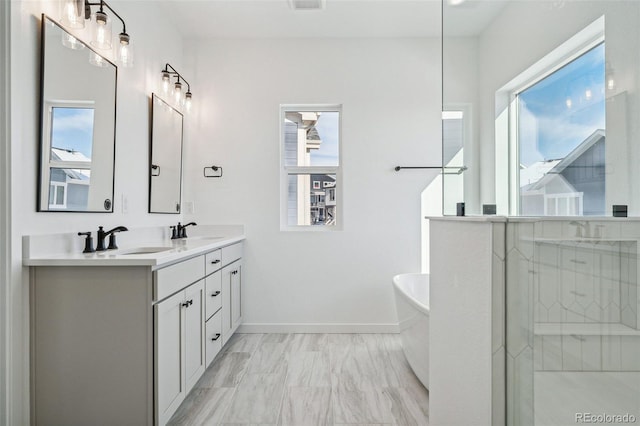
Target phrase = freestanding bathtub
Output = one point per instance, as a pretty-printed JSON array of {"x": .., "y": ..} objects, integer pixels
[{"x": 412, "y": 304}]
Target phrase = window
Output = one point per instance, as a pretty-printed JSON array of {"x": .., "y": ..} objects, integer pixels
[
  {"x": 310, "y": 144},
  {"x": 561, "y": 139}
]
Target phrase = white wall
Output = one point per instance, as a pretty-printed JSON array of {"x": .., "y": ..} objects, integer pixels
[
  {"x": 390, "y": 93},
  {"x": 156, "y": 43},
  {"x": 5, "y": 210}
]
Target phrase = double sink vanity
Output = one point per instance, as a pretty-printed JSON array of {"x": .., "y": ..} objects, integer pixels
[{"x": 122, "y": 336}]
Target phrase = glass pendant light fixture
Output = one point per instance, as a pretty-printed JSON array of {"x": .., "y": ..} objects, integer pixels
[
  {"x": 181, "y": 100},
  {"x": 187, "y": 101},
  {"x": 166, "y": 81},
  {"x": 101, "y": 30},
  {"x": 125, "y": 50},
  {"x": 177, "y": 91},
  {"x": 74, "y": 14}
]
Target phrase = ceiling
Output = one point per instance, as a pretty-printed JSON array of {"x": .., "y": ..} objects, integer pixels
[{"x": 202, "y": 19}]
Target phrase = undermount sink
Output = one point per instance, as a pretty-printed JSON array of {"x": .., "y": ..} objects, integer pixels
[{"x": 144, "y": 250}]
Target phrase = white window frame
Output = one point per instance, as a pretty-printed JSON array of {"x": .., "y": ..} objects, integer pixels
[
  {"x": 507, "y": 148},
  {"x": 47, "y": 163},
  {"x": 568, "y": 196},
  {"x": 56, "y": 184},
  {"x": 286, "y": 171}
]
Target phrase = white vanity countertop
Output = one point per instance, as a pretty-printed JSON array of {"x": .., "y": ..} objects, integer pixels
[{"x": 66, "y": 249}]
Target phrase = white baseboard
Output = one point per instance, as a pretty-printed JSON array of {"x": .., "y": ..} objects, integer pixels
[{"x": 317, "y": 328}]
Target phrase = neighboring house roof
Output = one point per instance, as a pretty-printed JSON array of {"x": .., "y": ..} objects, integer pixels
[
  {"x": 536, "y": 171},
  {"x": 547, "y": 170},
  {"x": 60, "y": 154}
]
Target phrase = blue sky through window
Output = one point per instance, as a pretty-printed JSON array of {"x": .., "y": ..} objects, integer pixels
[
  {"x": 562, "y": 110},
  {"x": 72, "y": 129},
  {"x": 328, "y": 127}
]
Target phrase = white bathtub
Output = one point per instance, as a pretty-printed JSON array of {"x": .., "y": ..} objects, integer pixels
[{"x": 412, "y": 304}]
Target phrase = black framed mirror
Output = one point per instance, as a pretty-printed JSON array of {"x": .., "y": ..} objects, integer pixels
[
  {"x": 165, "y": 157},
  {"x": 77, "y": 125}
]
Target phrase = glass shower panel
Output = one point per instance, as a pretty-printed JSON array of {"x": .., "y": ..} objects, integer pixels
[
  {"x": 573, "y": 336},
  {"x": 453, "y": 140}
]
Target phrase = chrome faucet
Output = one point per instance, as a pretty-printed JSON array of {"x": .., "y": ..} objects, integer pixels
[{"x": 112, "y": 238}]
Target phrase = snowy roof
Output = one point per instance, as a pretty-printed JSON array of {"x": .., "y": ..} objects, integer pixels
[
  {"x": 60, "y": 154},
  {"x": 533, "y": 175}
]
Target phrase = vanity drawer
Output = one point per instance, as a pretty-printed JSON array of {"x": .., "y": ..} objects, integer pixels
[
  {"x": 176, "y": 277},
  {"x": 213, "y": 337},
  {"x": 213, "y": 261},
  {"x": 231, "y": 253},
  {"x": 212, "y": 291}
]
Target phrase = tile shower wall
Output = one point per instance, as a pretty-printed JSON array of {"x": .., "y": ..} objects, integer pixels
[
  {"x": 572, "y": 311},
  {"x": 585, "y": 282}
]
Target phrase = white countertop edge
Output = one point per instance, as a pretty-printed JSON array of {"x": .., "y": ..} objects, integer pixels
[{"x": 183, "y": 249}]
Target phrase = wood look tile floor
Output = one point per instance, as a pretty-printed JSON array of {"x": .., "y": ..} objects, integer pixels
[{"x": 307, "y": 380}]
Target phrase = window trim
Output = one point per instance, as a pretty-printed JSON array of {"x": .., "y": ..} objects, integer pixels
[{"x": 286, "y": 171}]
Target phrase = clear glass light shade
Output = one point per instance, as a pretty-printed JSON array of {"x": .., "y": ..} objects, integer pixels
[
  {"x": 166, "y": 82},
  {"x": 124, "y": 51},
  {"x": 73, "y": 13},
  {"x": 101, "y": 30},
  {"x": 177, "y": 92},
  {"x": 187, "y": 101},
  {"x": 97, "y": 60},
  {"x": 71, "y": 42}
]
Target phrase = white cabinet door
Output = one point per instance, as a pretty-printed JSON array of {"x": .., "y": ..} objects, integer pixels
[
  {"x": 226, "y": 303},
  {"x": 169, "y": 353},
  {"x": 194, "y": 333},
  {"x": 236, "y": 295}
]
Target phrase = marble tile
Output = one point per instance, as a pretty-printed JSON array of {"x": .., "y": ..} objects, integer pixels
[
  {"x": 242, "y": 343},
  {"x": 257, "y": 399},
  {"x": 227, "y": 371},
  {"x": 591, "y": 353},
  {"x": 204, "y": 406},
  {"x": 268, "y": 358},
  {"x": 630, "y": 353},
  {"x": 571, "y": 353},
  {"x": 307, "y": 379},
  {"x": 306, "y": 406},
  {"x": 405, "y": 409},
  {"x": 499, "y": 240},
  {"x": 308, "y": 342},
  {"x": 552, "y": 353},
  {"x": 497, "y": 304},
  {"x": 611, "y": 355},
  {"x": 361, "y": 406},
  {"x": 308, "y": 369},
  {"x": 498, "y": 397}
]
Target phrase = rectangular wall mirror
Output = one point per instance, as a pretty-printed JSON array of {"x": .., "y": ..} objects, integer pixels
[
  {"x": 77, "y": 125},
  {"x": 165, "y": 165}
]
